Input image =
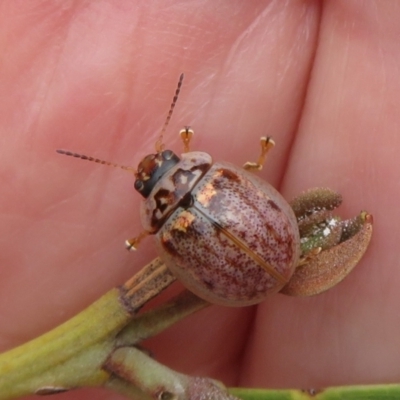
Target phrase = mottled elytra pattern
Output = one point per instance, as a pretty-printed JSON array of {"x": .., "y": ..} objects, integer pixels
[{"x": 237, "y": 241}]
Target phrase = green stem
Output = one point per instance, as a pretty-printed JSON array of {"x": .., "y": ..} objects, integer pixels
[
  {"x": 68, "y": 356},
  {"x": 160, "y": 381},
  {"x": 160, "y": 318},
  {"x": 72, "y": 355},
  {"x": 360, "y": 392}
]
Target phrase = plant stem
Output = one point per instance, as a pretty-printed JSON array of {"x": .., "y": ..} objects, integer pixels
[
  {"x": 69, "y": 355},
  {"x": 146, "y": 284},
  {"x": 72, "y": 355},
  {"x": 356, "y": 392},
  {"x": 158, "y": 319}
]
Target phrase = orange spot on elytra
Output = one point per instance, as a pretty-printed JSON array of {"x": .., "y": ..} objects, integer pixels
[
  {"x": 184, "y": 221},
  {"x": 206, "y": 194}
]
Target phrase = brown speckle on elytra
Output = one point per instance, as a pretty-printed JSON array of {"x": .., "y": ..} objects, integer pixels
[
  {"x": 222, "y": 237},
  {"x": 228, "y": 174}
]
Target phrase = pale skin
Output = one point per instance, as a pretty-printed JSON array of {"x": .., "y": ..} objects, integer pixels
[{"x": 321, "y": 78}]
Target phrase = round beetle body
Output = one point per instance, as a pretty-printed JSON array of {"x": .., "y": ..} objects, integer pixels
[{"x": 229, "y": 236}]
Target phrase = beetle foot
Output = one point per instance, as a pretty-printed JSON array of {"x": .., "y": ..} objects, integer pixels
[
  {"x": 133, "y": 244},
  {"x": 331, "y": 248}
]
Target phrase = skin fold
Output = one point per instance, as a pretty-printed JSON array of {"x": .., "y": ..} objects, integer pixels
[{"x": 98, "y": 77}]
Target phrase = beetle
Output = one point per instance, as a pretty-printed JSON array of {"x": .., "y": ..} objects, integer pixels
[{"x": 229, "y": 236}]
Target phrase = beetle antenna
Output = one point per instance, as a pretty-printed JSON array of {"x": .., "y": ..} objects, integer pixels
[
  {"x": 159, "y": 143},
  {"x": 97, "y": 160}
]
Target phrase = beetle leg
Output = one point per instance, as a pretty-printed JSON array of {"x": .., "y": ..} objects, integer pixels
[
  {"x": 186, "y": 136},
  {"x": 132, "y": 244},
  {"x": 266, "y": 144}
]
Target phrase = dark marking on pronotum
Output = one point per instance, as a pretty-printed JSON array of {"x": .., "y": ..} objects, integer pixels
[{"x": 162, "y": 194}]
